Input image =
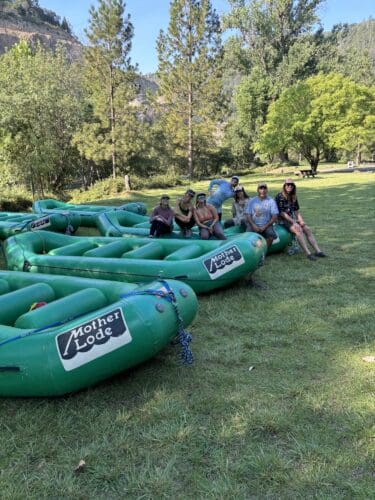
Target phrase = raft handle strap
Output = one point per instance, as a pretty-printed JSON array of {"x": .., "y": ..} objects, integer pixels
[{"x": 183, "y": 336}]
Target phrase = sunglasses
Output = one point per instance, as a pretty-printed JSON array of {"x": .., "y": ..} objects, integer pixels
[
  {"x": 262, "y": 187},
  {"x": 290, "y": 184}
]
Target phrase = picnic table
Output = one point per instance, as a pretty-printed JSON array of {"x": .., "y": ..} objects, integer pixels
[{"x": 307, "y": 173}]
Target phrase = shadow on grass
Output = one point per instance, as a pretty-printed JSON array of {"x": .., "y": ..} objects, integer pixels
[{"x": 277, "y": 404}]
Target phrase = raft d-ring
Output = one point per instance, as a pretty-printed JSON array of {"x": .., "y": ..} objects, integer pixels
[
  {"x": 160, "y": 307},
  {"x": 183, "y": 292}
]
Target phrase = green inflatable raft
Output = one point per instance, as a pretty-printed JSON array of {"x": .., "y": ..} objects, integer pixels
[
  {"x": 130, "y": 224},
  {"x": 60, "y": 334},
  {"x": 17, "y": 222},
  {"x": 204, "y": 265},
  {"x": 88, "y": 213}
]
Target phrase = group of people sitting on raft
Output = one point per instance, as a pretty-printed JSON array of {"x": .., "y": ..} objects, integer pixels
[{"x": 257, "y": 214}]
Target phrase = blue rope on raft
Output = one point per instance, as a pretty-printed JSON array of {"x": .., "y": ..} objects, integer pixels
[{"x": 184, "y": 337}]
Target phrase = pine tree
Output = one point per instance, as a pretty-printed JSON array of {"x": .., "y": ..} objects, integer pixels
[
  {"x": 111, "y": 82},
  {"x": 189, "y": 72}
]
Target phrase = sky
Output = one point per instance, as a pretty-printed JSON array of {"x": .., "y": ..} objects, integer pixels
[{"x": 149, "y": 16}]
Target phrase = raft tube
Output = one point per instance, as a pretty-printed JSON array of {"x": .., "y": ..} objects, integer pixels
[
  {"x": 204, "y": 265},
  {"x": 129, "y": 224},
  {"x": 81, "y": 331},
  {"x": 88, "y": 213},
  {"x": 12, "y": 223}
]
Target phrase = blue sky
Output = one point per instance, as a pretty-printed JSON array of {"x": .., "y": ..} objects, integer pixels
[{"x": 149, "y": 16}]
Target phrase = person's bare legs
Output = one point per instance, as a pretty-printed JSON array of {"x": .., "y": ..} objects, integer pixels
[
  {"x": 297, "y": 230},
  {"x": 311, "y": 238}
]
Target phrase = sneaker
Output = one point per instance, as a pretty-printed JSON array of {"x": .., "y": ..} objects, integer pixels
[
  {"x": 151, "y": 236},
  {"x": 320, "y": 254},
  {"x": 187, "y": 233},
  {"x": 311, "y": 256}
]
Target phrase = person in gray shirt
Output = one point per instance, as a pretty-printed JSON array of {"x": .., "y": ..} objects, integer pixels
[{"x": 261, "y": 213}]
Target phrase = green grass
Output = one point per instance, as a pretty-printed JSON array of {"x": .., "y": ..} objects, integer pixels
[{"x": 300, "y": 424}]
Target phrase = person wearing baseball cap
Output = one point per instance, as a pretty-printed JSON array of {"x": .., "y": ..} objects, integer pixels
[
  {"x": 161, "y": 218},
  {"x": 261, "y": 213},
  {"x": 207, "y": 219},
  {"x": 238, "y": 209},
  {"x": 224, "y": 190},
  {"x": 291, "y": 218},
  {"x": 184, "y": 213}
]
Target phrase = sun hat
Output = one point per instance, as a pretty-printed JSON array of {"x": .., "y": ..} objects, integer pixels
[{"x": 289, "y": 181}]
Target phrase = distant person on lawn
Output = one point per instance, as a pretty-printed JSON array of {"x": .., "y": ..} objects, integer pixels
[
  {"x": 292, "y": 220},
  {"x": 238, "y": 209},
  {"x": 207, "y": 219},
  {"x": 261, "y": 213},
  {"x": 184, "y": 213},
  {"x": 223, "y": 191},
  {"x": 161, "y": 218}
]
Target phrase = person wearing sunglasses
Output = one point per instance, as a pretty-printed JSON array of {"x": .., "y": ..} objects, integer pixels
[
  {"x": 238, "y": 209},
  {"x": 292, "y": 220},
  {"x": 261, "y": 213},
  {"x": 224, "y": 190},
  {"x": 207, "y": 219},
  {"x": 184, "y": 213}
]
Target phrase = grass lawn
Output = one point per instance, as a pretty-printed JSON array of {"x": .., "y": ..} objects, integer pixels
[{"x": 298, "y": 424}]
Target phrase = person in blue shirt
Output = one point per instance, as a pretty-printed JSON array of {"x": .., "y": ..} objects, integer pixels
[
  {"x": 261, "y": 213},
  {"x": 224, "y": 190}
]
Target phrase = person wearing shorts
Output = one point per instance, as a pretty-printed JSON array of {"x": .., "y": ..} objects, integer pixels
[
  {"x": 184, "y": 213},
  {"x": 261, "y": 213},
  {"x": 207, "y": 219},
  {"x": 224, "y": 191},
  {"x": 291, "y": 218}
]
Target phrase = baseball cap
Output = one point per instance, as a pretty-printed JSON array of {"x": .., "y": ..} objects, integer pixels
[
  {"x": 262, "y": 184},
  {"x": 200, "y": 196},
  {"x": 165, "y": 197},
  {"x": 235, "y": 177},
  {"x": 191, "y": 192}
]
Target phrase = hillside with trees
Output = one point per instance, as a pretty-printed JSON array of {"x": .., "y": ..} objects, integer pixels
[
  {"x": 27, "y": 20},
  {"x": 279, "y": 89}
]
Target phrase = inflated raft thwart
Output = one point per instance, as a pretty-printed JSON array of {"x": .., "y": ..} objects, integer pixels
[
  {"x": 60, "y": 334},
  {"x": 88, "y": 213},
  {"x": 204, "y": 265},
  {"x": 15, "y": 222}
]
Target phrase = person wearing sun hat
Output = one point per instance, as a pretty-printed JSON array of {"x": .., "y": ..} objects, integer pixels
[
  {"x": 161, "y": 218},
  {"x": 224, "y": 190},
  {"x": 261, "y": 213},
  {"x": 184, "y": 213},
  {"x": 291, "y": 218}
]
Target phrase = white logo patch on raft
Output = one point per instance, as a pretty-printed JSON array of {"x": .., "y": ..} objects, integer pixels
[{"x": 92, "y": 339}]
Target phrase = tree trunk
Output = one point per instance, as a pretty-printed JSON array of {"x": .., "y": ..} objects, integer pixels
[
  {"x": 358, "y": 156},
  {"x": 127, "y": 183},
  {"x": 190, "y": 132},
  {"x": 112, "y": 119},
  {"x": 283, "y": 155}
]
